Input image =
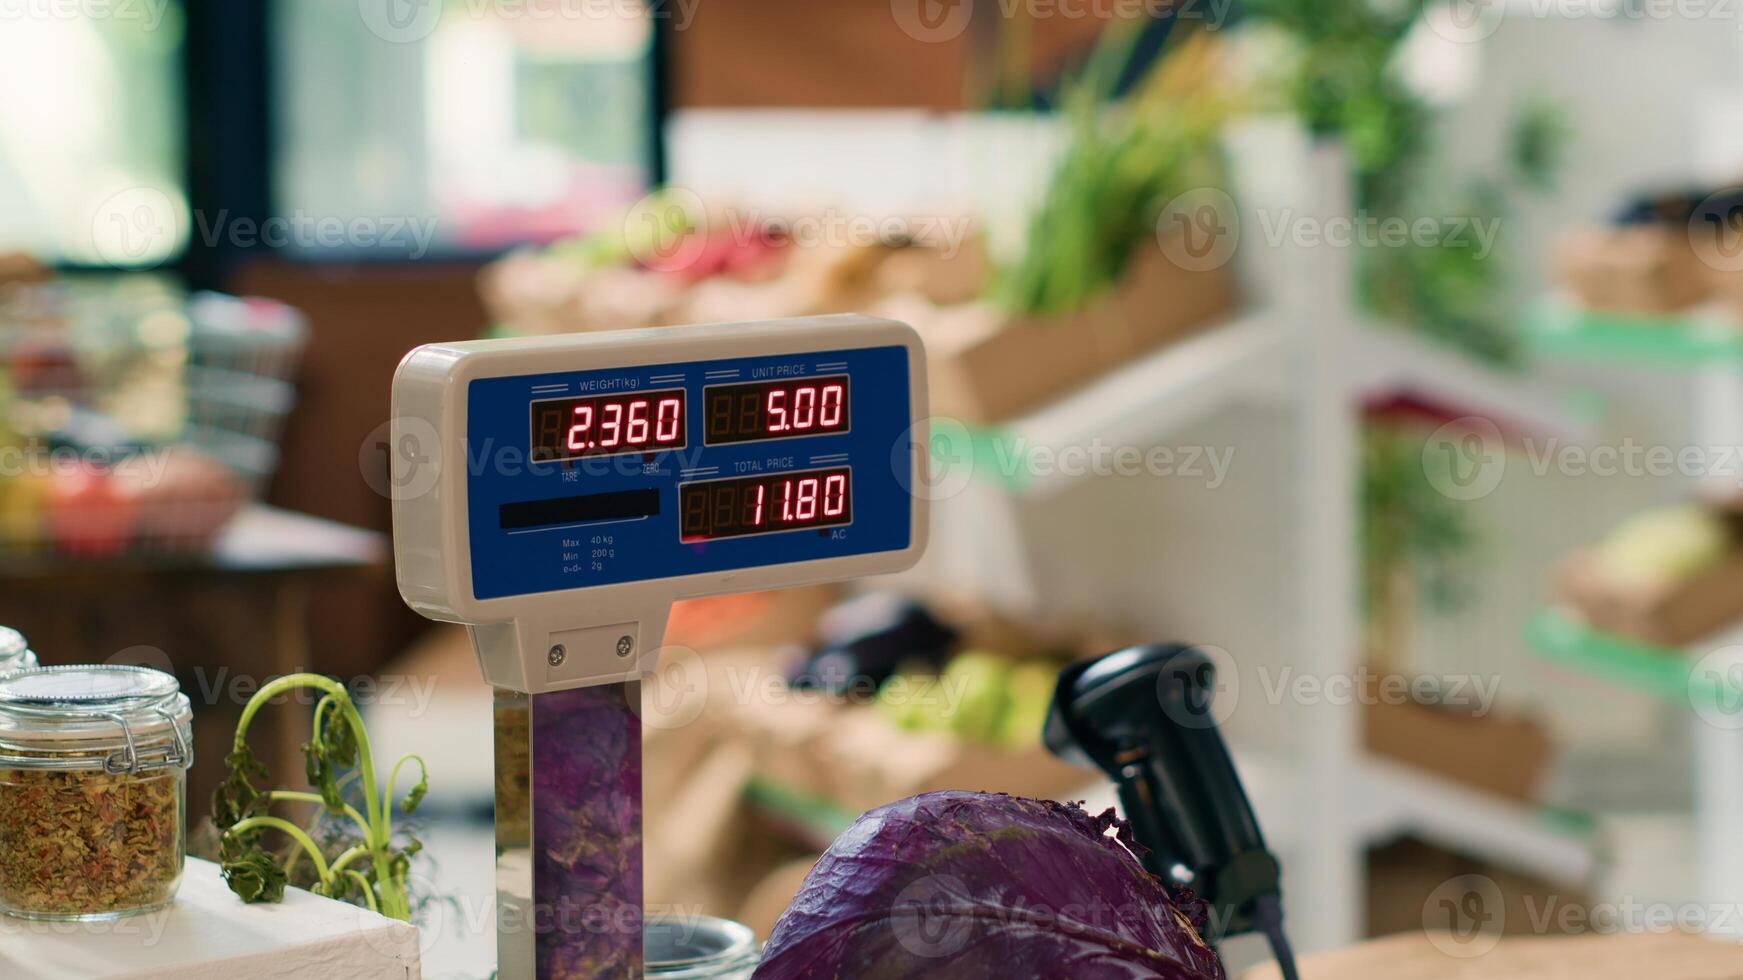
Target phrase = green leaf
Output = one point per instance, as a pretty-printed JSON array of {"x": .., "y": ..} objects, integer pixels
[
  {"x": 236, "y": 798},
  {"x": 254, "y": 877},
  {"x": 416, "y": 794},
  {"x": 337, "y": 736},
  {"x": 314, "y": 762}
]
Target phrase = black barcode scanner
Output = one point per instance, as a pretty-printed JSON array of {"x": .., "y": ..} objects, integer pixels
[{"x": 1143, "y": 716}]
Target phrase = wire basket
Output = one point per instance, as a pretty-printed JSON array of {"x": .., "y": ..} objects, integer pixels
[{"x": 134, "y": 417}]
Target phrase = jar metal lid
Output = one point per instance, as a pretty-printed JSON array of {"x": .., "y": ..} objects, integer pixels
[
  {"x": 698, "y": 948},
  {"x": 89, "y": 688},
  {"x": 14, "y": 651},
  {"x": 118, "y": 718}
]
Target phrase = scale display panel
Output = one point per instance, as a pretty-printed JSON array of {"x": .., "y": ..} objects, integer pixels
[{"x": 587, "y": 478}]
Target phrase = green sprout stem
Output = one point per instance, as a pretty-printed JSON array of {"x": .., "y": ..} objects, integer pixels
[
  {"x": 289, "y": 796},
  {"x": 368, "y": 893},
  {"x": 292, "y": 831},
  {"x": 387, "y": 894}
]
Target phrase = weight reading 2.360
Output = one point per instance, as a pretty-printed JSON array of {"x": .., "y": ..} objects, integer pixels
[{"x": 607, "y": 425}]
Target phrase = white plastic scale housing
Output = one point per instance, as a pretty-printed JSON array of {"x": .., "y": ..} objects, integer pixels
[{"x": 515, "y": 635}]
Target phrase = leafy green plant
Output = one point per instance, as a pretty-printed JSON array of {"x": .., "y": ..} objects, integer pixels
[
  {"x": 340, "y": 767},
  {"x": 1417, "y": 543},
  {"x": 1122, "y": 162},
  {"x": 1344, "y": 83}
]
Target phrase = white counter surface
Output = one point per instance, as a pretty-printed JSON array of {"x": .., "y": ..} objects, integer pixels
[{"x": 208, "y": 934}]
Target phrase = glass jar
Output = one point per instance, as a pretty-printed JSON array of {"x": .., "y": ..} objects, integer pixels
[
  {"x": 15, "y": 654},
  {"x": 93, "y": 791},
  {"x": 698, "y": 948}
]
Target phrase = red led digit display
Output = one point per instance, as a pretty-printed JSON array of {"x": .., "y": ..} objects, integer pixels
[
  {"x": 606, "y": 425},
  {"x": 774, "y": 409},
  {"x": 761, "y": 504}
]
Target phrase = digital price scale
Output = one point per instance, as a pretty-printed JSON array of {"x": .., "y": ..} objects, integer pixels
[{"x": 557, "y": 494}]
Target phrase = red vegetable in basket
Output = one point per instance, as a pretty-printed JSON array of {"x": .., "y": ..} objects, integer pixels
[
  {"x": 978, "y": 885},
  {"x": 87, "y": 515},
  {"x": 183, "y": 496}
]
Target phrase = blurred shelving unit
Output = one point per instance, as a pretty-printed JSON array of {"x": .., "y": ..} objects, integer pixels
[
  {"x": 1308, "y": 351},
  {"x": 1556, "y": 328},
  {"x": 1706, "y": 344},
  {"x": 1704, "y": 683}
]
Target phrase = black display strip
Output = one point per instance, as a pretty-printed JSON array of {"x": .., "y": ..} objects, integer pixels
[{"x": 620, "y": 505}]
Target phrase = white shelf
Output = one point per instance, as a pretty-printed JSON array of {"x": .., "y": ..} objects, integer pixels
[
  {"x": 1399, "y": 799},
  {"x": 1388, "y": 360},
  {"x": 1140, "y": 403},
  {"x": 1394, "y": 800},
  {"x": 1246, "y": 361}
]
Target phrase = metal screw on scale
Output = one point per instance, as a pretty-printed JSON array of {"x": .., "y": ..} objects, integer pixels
[
  {"x": 557, "y": 656},
  {"x": 625, "y": 645}
]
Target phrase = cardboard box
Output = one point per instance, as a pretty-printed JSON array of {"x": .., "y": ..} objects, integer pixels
[
  {"x": 1501, "y": 754},
  {"x": 1407, "y": 880},
  {"x": 871, "y": 54},
  {"x": 1632, "y": 269},
  {"x": 872, "y": 763},
  {"x": 1422, "y": 956},
  {"x": 1667, "y": 616},
  {"x": 534, "y": 293},
  {"x": 986, "y": 367}
]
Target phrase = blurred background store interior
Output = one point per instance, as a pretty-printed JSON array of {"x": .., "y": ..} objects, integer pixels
[{"x": 1350, "y": 340}]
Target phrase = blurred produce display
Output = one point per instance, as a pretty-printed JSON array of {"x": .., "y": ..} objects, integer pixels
[
  {"x": 134, "y": 417},
  {"x": 1668, "y": 576},
  {"x": 1661, "y": 252},
  {"x": 758, "y": 756},
  {"x": 672, "y": 259}
]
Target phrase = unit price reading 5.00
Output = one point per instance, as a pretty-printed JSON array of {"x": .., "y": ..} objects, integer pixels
[{"x": 775, "y": 410}]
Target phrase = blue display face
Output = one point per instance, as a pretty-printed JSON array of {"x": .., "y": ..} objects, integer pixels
[{"x": 591, "y": 478}]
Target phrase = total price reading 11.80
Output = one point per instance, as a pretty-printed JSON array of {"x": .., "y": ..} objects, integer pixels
[{"x": 764, "y": 504}]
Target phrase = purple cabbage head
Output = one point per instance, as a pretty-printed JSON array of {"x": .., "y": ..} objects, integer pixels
[{"x": 964, "y": 885}]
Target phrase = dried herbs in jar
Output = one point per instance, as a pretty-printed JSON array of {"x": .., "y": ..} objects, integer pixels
[{"x": 93, "y": 791}]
